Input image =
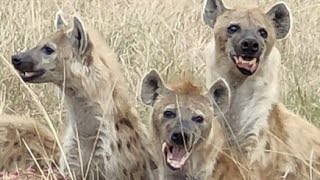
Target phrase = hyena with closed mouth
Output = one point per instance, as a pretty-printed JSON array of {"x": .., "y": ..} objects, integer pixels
[
  {"x": 105, "y": 138},
  {"x": 187, "y": 136},
  {"x": 275, "y": 142}
]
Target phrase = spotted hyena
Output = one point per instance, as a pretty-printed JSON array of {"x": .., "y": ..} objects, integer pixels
[
  {"x": 187, "y": 135},
  {"x": 273, "y": 140},
  {"x": 105, "y": 138}
]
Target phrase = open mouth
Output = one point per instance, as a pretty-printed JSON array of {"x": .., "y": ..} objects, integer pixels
[
  {"x": 29, "y": 76},
  {"x": 246, "y": 65},
  {"x": 175, "y": 156}
]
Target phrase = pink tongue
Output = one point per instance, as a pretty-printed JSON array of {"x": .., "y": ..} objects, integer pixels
[
  {"x": 246, "y": 66},
  {"x": 178, "y": 153},
  {"x": 176, "y": 159}
]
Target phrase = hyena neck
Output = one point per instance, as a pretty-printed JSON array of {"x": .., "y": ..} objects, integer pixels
[
  {"x": 90, "y": 103},
  {"x": 198, "y": 166},
  {"x": 86, "y": 115},
  {"x": 173, "y": 175},
  {"x": 252, "y": 99}
]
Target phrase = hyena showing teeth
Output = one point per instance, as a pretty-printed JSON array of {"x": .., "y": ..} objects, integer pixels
[
  {"x": 105, "y": 139},
  {"x": 275, "y": 142},
  {"x": 187, "y": 136}
]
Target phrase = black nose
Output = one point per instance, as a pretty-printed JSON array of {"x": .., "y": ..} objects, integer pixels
[
  {"x": 178, "y": 137},
  {"x": 249, "y": 46},
  {"x": 16, "y": 60}
]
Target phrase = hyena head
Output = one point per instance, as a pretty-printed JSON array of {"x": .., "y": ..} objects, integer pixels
[
  {"x": 183, "y": 118},
  {"x": 245, "y": 36},
  {"x": 47, "y": 60}
]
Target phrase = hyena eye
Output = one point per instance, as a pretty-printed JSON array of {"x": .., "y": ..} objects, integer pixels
[
  {"x": 197, "y": 119},
  {"x": 263, "y": 33},
  {"x": 47, "y": 50},
  {"x": 169, "y": 114},
  {"x": 233, "y": 29}
]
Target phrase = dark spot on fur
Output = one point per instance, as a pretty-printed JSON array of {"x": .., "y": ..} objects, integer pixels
[
  {"x": 133, "y": 140},
  {"x": 144, "y": 166},
  {"x": 119, "y": 144},
  {"x": 131, "y": 176},
  {"x": 267, "y": 147},
  {"x": 126, "y": 122},
  {"x": 153, "y": 165},
  {"x": 16, "y": 144},
  {"x": 137, "y": 135},
  {"x": 112, "y": 147},
  {"x": 125, "y": 172},
  {"x": 129, "y": 145},
  {"x": 19, "y": 158},
  {"x": 117, "y": 127}
]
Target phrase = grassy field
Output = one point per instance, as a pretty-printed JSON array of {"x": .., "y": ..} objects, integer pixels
[{"x": 168, "y": 35}]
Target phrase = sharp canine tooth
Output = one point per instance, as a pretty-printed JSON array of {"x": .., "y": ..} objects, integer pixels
[
  {"x": 236, "y": 59},
  {"x": 253, "y": 68},
  {"x": 240, "y": 59},
  {"x": 164, "y": 146},
  {"x": 253, "y": 61}
]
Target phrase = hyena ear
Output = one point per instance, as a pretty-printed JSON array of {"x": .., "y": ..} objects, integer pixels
[
  {"x": 280, "y": 15},
  {"x": 221, "y": 95},
  {"x": 60, "y": 22},
  {"x": 79, "y": 35},
  {"x": 212, "y": 9},
  {"x": 152, "y": 86}
]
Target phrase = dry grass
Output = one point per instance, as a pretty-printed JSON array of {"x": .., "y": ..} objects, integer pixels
[{"x": 167, "y": 35}]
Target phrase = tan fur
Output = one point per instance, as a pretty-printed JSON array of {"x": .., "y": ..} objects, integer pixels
[
  {"x": 20, "y": 135},
  {"x": 102, "y": 117},
  {"x": 289, "y": 147},
  {"x": 252, "y": 96},
  {"x": 275, "y": 142},
  {"x": 206, "y": 161}
]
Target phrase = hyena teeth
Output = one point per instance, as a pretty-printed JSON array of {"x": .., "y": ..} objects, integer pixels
[
  {"x": 253, "y": 67},
  {"x": 28, "y": 74},
  {"x": 253, "y": 61},
  {"x": 241, "y": 59},
  {"x": 236, "y": 59}
]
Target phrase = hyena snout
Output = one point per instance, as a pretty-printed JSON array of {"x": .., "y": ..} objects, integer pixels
[
  {"x": 179, "y": 138},
  {"x": 248, "y": 47},
  {"x": 22, "y": 62}
]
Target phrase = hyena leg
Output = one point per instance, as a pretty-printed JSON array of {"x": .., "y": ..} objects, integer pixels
[
  {"x": 78, "y": 151},
  {"x": 71, "y": 151}
]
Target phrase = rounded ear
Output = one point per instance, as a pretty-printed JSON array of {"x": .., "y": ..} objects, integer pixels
[
  {"x": 212, "y": 9},
  {"x": 221, "y": 94},
  {"x": 79, "y": 35},
  {"x": 280, "y": 15},
  {"x": 152, "y": 86},
  {"x": 60, "y": 22}
]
